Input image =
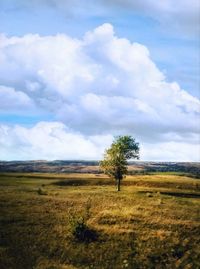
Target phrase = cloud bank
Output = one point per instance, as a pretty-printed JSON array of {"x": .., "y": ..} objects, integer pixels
[
  {"x": 49, "y": 140},
  {"x": 97, "y": 86},
  {"x": 53, "y": 140}
]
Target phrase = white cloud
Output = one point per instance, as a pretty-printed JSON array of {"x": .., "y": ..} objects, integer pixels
[
  {"x": 11, "y": 100},
  {"x": 53, "y": 140},
  {"x": 170, "y": 151},
  {"x": 49, "y": 140},
  {"x": 98, "y": 85}
]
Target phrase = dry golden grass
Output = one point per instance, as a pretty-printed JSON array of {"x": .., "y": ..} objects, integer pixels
[{"x": 152, "y": 223}]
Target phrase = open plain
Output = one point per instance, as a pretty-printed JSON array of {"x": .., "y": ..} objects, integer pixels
[{"x": 153, "y": 222}]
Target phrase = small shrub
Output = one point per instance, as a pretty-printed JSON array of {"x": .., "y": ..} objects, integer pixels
[
  {"x": 41, "y": 192},
  {"x": 148, "y": 194},
  {"x": 79, "y": 227},
  {"x": 80, "y": 230}
]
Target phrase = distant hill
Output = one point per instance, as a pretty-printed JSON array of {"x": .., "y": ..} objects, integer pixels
[{"x": 74, "y": 166}]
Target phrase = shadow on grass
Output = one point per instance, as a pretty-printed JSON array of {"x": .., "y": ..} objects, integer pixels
[
  {"x": 72, "y": 182},
  {"x": 82, "y": 182},
  {"x": 184, "y": 195},
  {"x": 175, "y": 194}
]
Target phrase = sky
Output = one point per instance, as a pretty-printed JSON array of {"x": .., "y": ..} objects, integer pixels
[{"x": 76, "y": 74}]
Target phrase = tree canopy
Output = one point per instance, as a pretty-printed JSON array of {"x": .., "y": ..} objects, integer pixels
[{"x": 116, "y": 157}]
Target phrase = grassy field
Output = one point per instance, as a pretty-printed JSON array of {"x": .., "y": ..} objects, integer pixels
[{"x": 154, "y": 222}]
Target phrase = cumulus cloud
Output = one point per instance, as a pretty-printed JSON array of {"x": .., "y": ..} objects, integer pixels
[
  {"x": 14, "y": 101},
  {"x": 97, "y": 85},
  {"x": 49, "y": 140}
]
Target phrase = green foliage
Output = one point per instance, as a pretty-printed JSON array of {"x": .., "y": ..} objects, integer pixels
[{"x": 116, "y": 157}]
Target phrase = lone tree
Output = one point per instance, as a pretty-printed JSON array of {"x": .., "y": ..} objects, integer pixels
[{"x": 116, "y": 157}]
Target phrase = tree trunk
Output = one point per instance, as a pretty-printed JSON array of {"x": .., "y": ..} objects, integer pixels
[{"x": 118, "y": 184}]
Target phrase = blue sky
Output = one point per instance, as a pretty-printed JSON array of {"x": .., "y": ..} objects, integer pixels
[{"x": 154, "y": 94}]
